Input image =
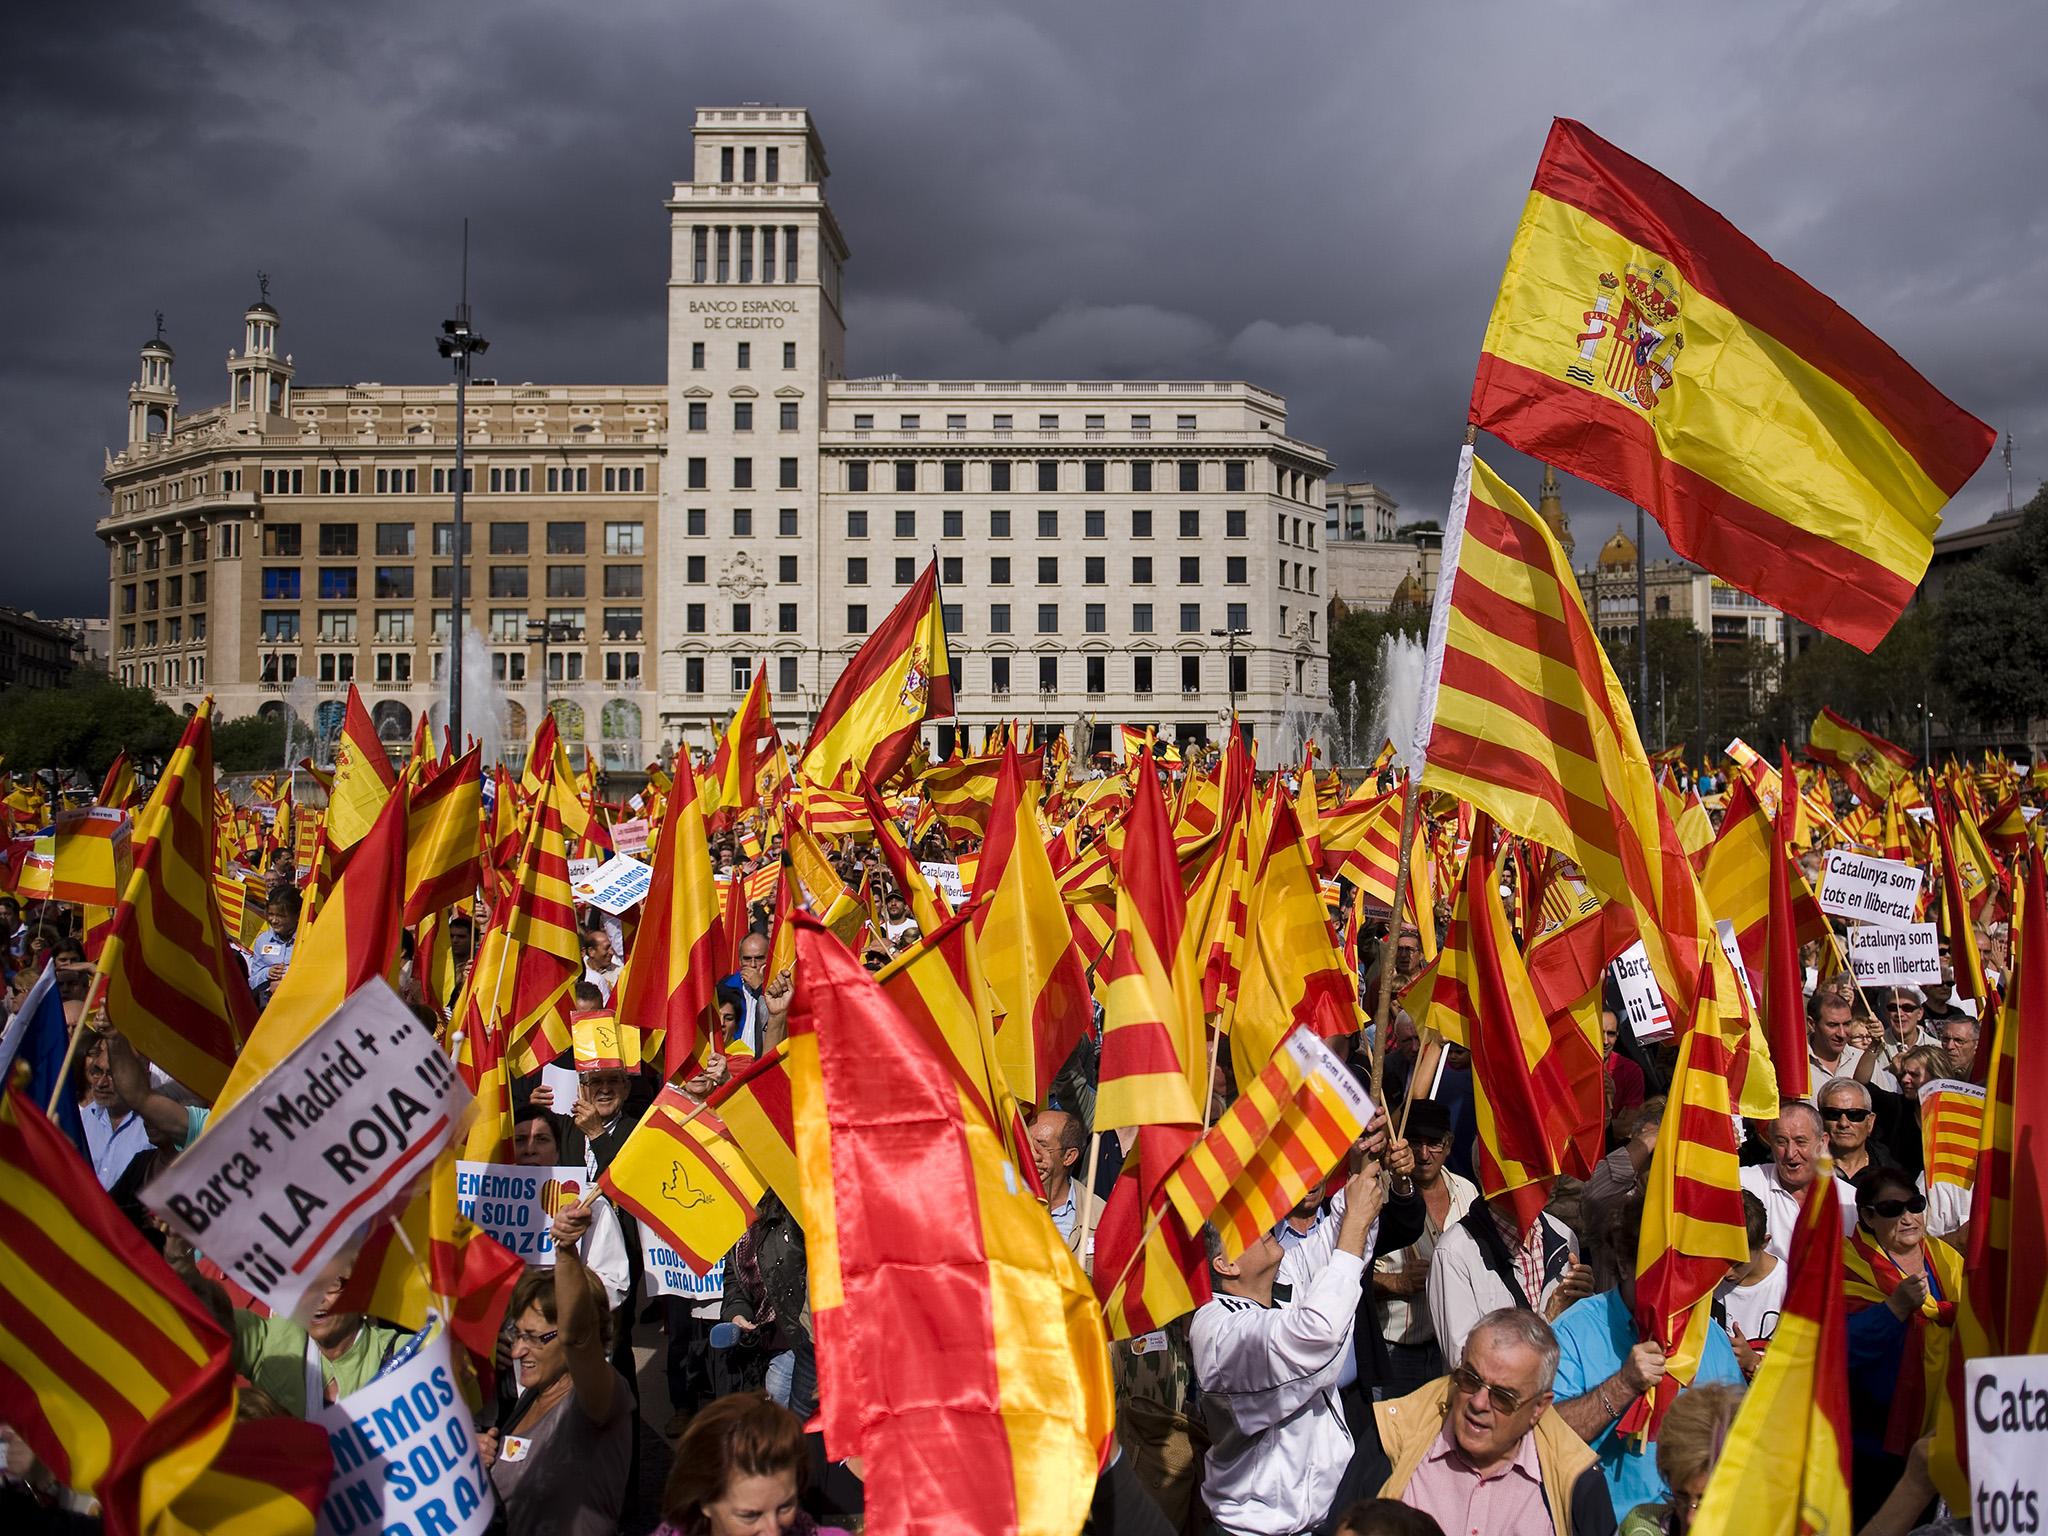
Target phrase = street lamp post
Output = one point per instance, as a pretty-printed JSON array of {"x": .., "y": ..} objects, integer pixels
[
  {"x": 1230, "y": 637},
  {"x": 543, "y": 631},
  {"x": 459, "y": 343}
]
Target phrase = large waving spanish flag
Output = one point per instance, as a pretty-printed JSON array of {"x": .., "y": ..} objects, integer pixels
[
  {"x": 899, "y": 678},
  {"x": 1645, "y": 344},
  {"x": 1871, "y": 766}
]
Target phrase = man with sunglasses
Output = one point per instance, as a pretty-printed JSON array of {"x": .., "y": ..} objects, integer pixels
[
  {"x": 1847, "y": 1118},
  {"x": 1484, "y": 1448},
  {"x": 1905, "y": 1010}
]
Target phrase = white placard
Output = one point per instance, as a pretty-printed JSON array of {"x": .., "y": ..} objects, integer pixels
[
  {"x": 1871, "y": 890},
  {"x": 630, "y": 836},
  {"x": 405, "y": 1453},
  {"x": 2007, "y": 1398},
  {"x": 665, "y": 1273},
  {"x": 516, "y": 1206},
  {"x": 563, "y": 1081},
  {"x": 945, "y": 879},
  {"x": 1725, "y": 931},
  {"x": 615, "y": 886},
  {"x": 325, "y": 1141},
  {"x": 1895, "y": 957},
  {"x": 1649, "y": 1020},
  {"x": 580, "y": 871}
]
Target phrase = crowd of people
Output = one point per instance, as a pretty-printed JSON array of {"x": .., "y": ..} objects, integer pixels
[{"x": 1399, "y": 1355}]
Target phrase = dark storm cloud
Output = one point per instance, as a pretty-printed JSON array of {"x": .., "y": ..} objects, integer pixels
[{"x": 1317, "y": 197}]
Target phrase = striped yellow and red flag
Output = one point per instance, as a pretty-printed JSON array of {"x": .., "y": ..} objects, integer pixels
[
  {"x": 964, "y": 1361},
  {"x": 756, "y": 1107},
  {"x": 1784, "y": 1470},
  {"x": 1028, "y": 952},
  {"x": 363, "y": 777},
  {"x": 1224, "y": 862},
  {"x": 1293, "y": 973},
  {"x": 899, "y": 678},
  {"x": 681, "y": 1173},
  {"x": 1537, "y": 1094},
  {"x": 1152, "y": 1042},
  {"x": 1148, "y": 1268},
  {"x": 671, "y": 973},
  {"x": 118, "y": 788},
  {"x": 467, "y": 1275},
  {"x": 962, "y": 791},
  {"x": 112, "y": 1372},
  {"x": 926, "y": 905},
  {"x": 1872, "y": 767},
  {"x": 1693, "y": 1230},
  {"x": 1362, "y": 844},
  {"x": 1280, "y": 1138},
  {"x": 1643, "y": 343},
  {"x": 1952, "y": 899},
  {"x": 443, "y": 840},
  {"x": 1951, "y": 1129},
  {"x": 2004, "y": 1308},
  {"x": 173, "y": 985},
  {"x": 1524, "y": 719}
]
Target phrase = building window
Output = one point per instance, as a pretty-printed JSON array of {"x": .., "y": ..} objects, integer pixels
[
  {"x": 1141, "y": 674},
  {"x": 700, "y": 254},
  {"x": 1234, "y": 570},
  {"x": 337, "y": 583},
  {"x": 785, "y": 522},
  {"x": 1240, "y": 674},
  {"x": 745, "y": 357},
  {"x": 1048, "y": 523},
  {"x": 697, "y": 475},
  {"x": 999, "y": 618},
  {"x": 1141, "y": 570},
  {"x": 785, "y": 618},
  {"x": 952, "y": 524},
  {"x": 508, "y": 538},
  {"x": 622, "y": 623},
  {"x": 856, "y": 474},
  {"x": 280, "y": 541},
  {"x": 906, "y": 523},
  {"x": 906, "y": 475},
  {"x": 337, "y": 667},
  {"x": 393, "y": 581},
  {"x": 1191, "y": 674},
  {"x": 1191, "y": 618},
  {"x": 743, "y": 474},
  {"x": 742, "y": 618},
  {"x": 395, "y": 539},
  {"x": 622, "y": 580},
  {"x": 694, "y": 521},
  {"x": 743, "y": 415},
  {"x": 1048, "y": 570},
  {"x": 951, "y": 616},
  {"x": 906, "y": 570},
  {"x": 952, "y": 570},
  {"x": 1234, "y": 618},
  {"x": 277, "y": 627},
  {"x": 742, "y": 522},
  {"x": 789, "y": 256},
  {"x": 1095, "y": 618},
  {"x": 565, "y": 581},
  {"x": 279, "y": 586},
  {"x": 393, "y": 626},
  {"x": 856, "y": 618},
  {"x": 1141, "y": 475},
  {"x": 697, "y": 416},
  {"x": 1048, "y": 475},
  {"x": 857, "y": 571},
  {"x": 693, "y": 618},
  {"x": 1048, "y": 618},
  {"x": 1190, "y": 475},
  {"x": 1048, "y": 674},
  {"x": 697, "y": 354},
  {"x": 999, "y": 475},
  {"x": 1233, "y": 477},
  {"x": 785, "y": 475},
  {"x": 1095, "y": 570},
  {"x": 335, "y": 539},
  {"x": 1098, "y": 674},
  {"x": 999, "y": 674},
  {"x": 953, "y": 475},
  {"x": 785, "y": 568},
  {"x": 787, "y": 414},
  {"x": 856, "y": 523},
  {"x": 998, "y": 524},
  {"x": 693, "y": 570},
  {"x": 693, "y": 674},
  {"x": 1141, "y": 618}
]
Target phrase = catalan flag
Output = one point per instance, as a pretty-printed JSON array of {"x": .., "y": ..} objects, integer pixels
[
  {"x": 173, "y": 985},
  {"x": 443, "y": 840},
  {"x": 1524, "y": 719},
  {"x": 899, "y": 678},
  {"x": 2004, "y": 1309},
  {"x": 114, "y": 1374},
  {"x": 1153, "y": 1061},
  {"x": 1952, "y": 900},
  {"x": 1643, "y": 343},
  {"x": 962, "y": 790},
  {"x": 964, "y": 1360},
  {"x": 1280, "y": 1139},
  {"x": 1028, "y": 953},
  {"x": 520, "y": 984},
  {"x": 681, "y": 1173},
  {"x": 1951, "y": 1125},
  {"x": 1872, "y": 767},
  {"x": 671, "y": 973},
  {"x": 1784, "y": 1470},
  {"x": 119, "y": 787},
  {"x": 758, "y": 1114}
]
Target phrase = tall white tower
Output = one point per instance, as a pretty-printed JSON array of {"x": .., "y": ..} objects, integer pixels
[
  {"x": 153, "y": 398},
  {"x": 259, "y": 380}
]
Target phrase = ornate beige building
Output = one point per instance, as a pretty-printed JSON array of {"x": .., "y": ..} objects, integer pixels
[{"x": 1134, "y": 551}]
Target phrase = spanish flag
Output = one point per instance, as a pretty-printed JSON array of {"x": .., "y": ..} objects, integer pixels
[
  {"x": 1872, "y": 767},
  {"x": 680, "y": 1173},
  {"x": 1293, "y": 972},
  {"x": 964, "y": 1359},
  {"x": 363, "y": 779},
  {"x": 443, "y": 840},
  {"x": 1645, "y": 344},
  {"x": 672, "y": 971},
  {"x": 1785, "y": 1468},
  {"x": 899, "y": 678}
]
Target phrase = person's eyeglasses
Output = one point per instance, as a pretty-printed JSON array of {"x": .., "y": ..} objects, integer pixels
[
  {"x": 1853, "y": 1116},
  {"x": 1470, "y": 1382},
  {"x": 1892, "y": 1210},
  {"x": 1903, "y": 1008},
  {"x": 1432, "y": 1143},
  {"x": 535, "y": 1340},
  {"x": 747, "y": 962}
]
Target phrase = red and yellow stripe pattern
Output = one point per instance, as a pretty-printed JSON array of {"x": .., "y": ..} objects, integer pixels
[{"x": 1645, "y": 344}]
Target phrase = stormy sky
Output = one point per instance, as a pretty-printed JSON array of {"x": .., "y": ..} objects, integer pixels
[{"x": 1314, "y": 196}]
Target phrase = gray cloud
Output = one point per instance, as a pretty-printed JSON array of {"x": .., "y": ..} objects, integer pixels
[{"x": 1316, "y": 196}]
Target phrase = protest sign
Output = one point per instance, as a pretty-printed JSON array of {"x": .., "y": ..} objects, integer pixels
[
  {"x": 328, "y": 1139},
  {"x": 945, "y": 879},
  {"x": 615, "y": 886},
  {"x": 1648, "y": 1018},
  {"x": 516, "y": 1206},
  {"x": 1725, "y": 931},
  {"x": 2008, "y": 1406},
  {"x": 630, "y": 836},
  {"x": 405, "y": 1454},
  {"x": 562, "y": 1079},
  {"x": 667, "y": 1274},
  {"x": 580, "y": 871},
  {"x": 1893, "y": 957},
  {"x": 1871, "y": 889}
]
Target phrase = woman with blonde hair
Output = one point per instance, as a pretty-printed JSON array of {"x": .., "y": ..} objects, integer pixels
[{"x": 1688, "y": 1445}]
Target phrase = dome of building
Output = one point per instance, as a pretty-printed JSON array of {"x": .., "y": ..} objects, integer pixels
[{"x": 1617, "y": 551}]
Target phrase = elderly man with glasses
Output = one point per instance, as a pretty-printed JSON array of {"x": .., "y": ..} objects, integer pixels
[
  {"x": 1847, "y": 1118},
  {"x": 1484, "y": 1448}
]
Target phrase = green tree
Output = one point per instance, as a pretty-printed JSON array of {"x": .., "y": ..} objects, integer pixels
[
  {"x": 1883, "y": 691},
  {"x": 84, "y": 725},
  {"x": 252, "y": 744},
  {"x": 1358, "y": 638},
  {"x": 1702, "y": 691},
  {"x": 1992, "y": 660}
]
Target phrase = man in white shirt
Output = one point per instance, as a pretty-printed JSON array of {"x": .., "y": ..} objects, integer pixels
[
  {"x": 1828, "y": 1051},
  {"x": 1482, "y": 1264},
  {"x": 1269, "y": 1375},
  {"x": 1797, "y": 1142},
  {"x": 1056, "y": 1141},
  {"x": 114, "y": 1133},
  {"x": 600, "y": 964},
  {"x": 1400, "y": 1280}
]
